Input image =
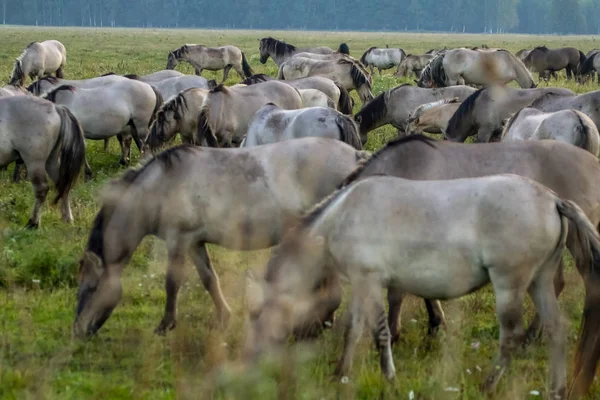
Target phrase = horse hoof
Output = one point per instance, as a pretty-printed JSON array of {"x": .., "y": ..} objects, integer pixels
[
  {"x": 32, "y": 225},
  {"x": 164, "y": 327}
]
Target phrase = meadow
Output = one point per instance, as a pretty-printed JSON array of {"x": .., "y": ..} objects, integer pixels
[{"x": 38, "y": 269}]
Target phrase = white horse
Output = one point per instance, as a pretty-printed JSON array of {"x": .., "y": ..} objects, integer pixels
[
  {"x": 39, "y": 59},
  {"x": 382, "y": 58},
  {"x": 570, "y": 126},
  {"x": 434, "y": 239},
  {"x": 126, "y": 108},
  {"x": 271, "y": 124},
  {"x": 48, "y": 139},
  {"x": 315, "y": 98}
]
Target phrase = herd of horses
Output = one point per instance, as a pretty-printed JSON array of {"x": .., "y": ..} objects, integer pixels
[{"x": 279, "y": 161}]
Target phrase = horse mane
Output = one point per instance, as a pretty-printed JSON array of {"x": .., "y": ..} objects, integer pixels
[
  {"x": 463, "y": 112},
  {"x": 359, "y": 77},
  {"x": 279, "y": 47},
  {"x": 256, "y": 78},
  {"x": 343, "y": 49},
  {"x": 364, "y": 56},
  {"x": 175, "y": 103},
  {"x": 220, "y": 88},
  {"x": 108, "y": 74},
  {"x": 509, "y": 123},
  {"x": 364, "y": 163},
  {"x": 376, "y": 108},
  {"x": 541, "y": 48},
  {"x": 436, "y": 68},
  {"x": 50, "y": 79},
  {"x": 132, "y": 76},
  {"x": 51, "y": 96}
]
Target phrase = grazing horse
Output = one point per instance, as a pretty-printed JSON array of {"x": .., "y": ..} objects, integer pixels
[
  {"x": 178, "y": 114},
  {"x": 432, "y": 117},
  {"x": 587, "y": 103},
  {"x": 241, "y": 199},
  {"x": 567, "y": 126},
  {"x": 413, "y": 63},
  {"x": 485, "y": 112},
  {"x": 395, "y": 106},
  {"x": 346, "y": 73},
  {"x": 280, "y": 51},
  {"x": 571, "y": 172},
  {"x": 271, "y": 124},
  {"x": 590, "y": 66},
  {"x": 516, "y": 244},
  {"x": 475, "y": 67},
  {"x": 212, "y": 59},
  {"x": 172, "y": 86},
  {"x": 46, "y": 85},
  {"x": 48, "y": 139},
  {"x": 227, "y": 112},
  {"x": 336, "y": 93},
  {"x": 542, "y": 59},
  {"x": 126, "y": 107},
  {"x": 382, "y": 58},
  {"x": 39, "y": 59}
]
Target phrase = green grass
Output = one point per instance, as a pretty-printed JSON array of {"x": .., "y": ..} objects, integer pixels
[{"x": 38, "y": 359}]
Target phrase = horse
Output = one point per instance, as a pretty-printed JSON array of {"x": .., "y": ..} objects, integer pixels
[
  {"x": 571, "y": 172},
  {"x": 49, "y": 83},
  {"x": 280, "y": 51},
  {"x": 315, "y": 98},
  {"x": 12, "y": 90},
  {"x": 178, "y": 114},
  {"x": 590, "y": 66},
  {"x": 212, "y": 59},
  {"x": 155, "y": 77},
  {"x": 353, "y": 236},
  {"x": 382, "y": 58},
  {"x": 271, "y": 124},
  {"x": 395, "y": 105},
  {"x": 172, "y": 86},
  {"x": 587, "y": 103},
  {"x": 568, "y": 126},
  {"x": 47, "y": 138},
  {"x": 39, "y": 59},
  {"x": 432, "y": 117},
  {"x": 125, "y": 107},
  {"x": 542, "y": 59},
  {"x": 227, "y": 112},
  {"x": 336, "y": 93},
  {"x": 485, "y": 111},
  {"x": 413, "y": 63},
  {"x": 241, "y": 199},
  {"x": 324, "y": 57},
  {"x": 345, "y": 73},
  {"x": 475, "y": 67}
]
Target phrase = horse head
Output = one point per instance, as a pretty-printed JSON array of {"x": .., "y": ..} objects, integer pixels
[{"x": 263, "y": 49}]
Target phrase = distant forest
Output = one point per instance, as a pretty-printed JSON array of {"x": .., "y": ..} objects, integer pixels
[{"x": 492, "y": 16}]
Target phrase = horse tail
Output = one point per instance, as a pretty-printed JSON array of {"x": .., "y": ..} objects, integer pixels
[
  {"x": 587, "y": 136},
  {"x": 344, "y": 104},
  {"x": 280, "y": 75},
  {"x": 349, "y": 131},
  {"x": 158, "y": 102},
  {"x": 344, "y": 49},
  {"x": 72, "y": 151},
  {"x": 18, "y": 76},
  {"x": 330, "y": 103},
  {"x": 588, "y": 346},
  {"x": 246, "y": 67},
  {"x": 204, "y": 132}
]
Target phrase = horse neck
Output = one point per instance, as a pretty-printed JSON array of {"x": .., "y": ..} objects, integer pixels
[{"x": 524, "y": 78}]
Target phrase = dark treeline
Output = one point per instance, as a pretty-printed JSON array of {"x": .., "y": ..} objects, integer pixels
[{"x": 495, "y": 16}]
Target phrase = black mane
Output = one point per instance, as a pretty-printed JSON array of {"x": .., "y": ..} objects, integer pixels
[
  {"x": 359, "y": 77},
  {"x": 257, "y": 78},
  {"x": 373, "y": 111},
  {"x": 463, "y": 113},
  {"x": 51, "y": 96},
  {"x": 588, "y": 65},
  {"x": 36, "y": 85},
  {"x": 279, "y": 47}
]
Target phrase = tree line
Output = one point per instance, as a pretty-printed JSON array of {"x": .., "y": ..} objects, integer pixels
[{"x": 473, "y": 16}]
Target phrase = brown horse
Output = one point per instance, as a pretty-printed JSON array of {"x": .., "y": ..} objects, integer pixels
[{"x": 543, "y": 59}]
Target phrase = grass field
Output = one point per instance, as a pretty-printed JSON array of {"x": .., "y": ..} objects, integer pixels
[{"x": 126, "y": 360}]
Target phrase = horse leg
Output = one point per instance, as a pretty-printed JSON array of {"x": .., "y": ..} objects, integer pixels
[
  {"x": 381, "y": 334},
  {"x": 395, "y": 298},
  {"x": 173, "y": 281},
  {"x": 125, "y": 142},
  {"x": 352, "y": 334},
  {"x": 59, "y": 72},
  {"x": 379, "y": 69},
  {"x": 210, "y": 280},
  {"x": 106, "y": 142},
  {"x": 534, "y": 332},
  {"x": 37, "y": 175},
  {"x": 226, "y": 73},
  {"x": 484, "y": 134},
  {"x": 546, "y": 304},
  {"x": 569, "y": 73},
  {"x": 17, "y": 173},
  {"x": 239, "y": 71},
  {"x": 436, "y": 316},
  {"x": 198, "y": 71},
  {"x": 509, "y": 307}
]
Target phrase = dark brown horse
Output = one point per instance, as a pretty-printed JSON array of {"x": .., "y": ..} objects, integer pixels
[{"x": 542, "y": 59}]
